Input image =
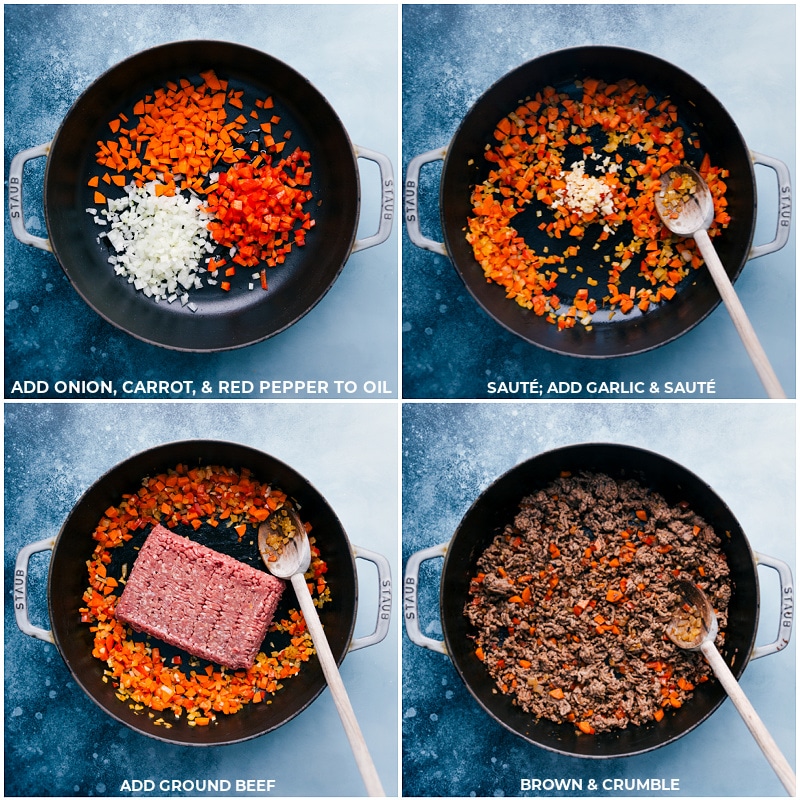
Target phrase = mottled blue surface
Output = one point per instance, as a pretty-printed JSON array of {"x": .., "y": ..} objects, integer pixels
[
  {"x": 53, "y": 53},
  {"x": 452, "y": 452},
  {"x": 57, "y": 741},
  {"x": 744, "y": 54}
]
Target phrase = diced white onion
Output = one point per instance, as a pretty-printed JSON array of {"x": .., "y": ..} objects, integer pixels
[{"x": 159, "y": 240}]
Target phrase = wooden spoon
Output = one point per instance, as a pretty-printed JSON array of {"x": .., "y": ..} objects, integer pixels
[
  {"x": 283, "y": 543},
  {"x": 694, "y": 627},
  {"x": 689, "y": 211}
]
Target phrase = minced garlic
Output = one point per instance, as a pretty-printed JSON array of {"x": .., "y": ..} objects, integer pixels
[{"x": 584, "y": 193}]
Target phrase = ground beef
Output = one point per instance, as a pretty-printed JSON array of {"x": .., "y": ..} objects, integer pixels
[
  {"x": 204, "y": 602},
  {"x": 570, "y": 602}
]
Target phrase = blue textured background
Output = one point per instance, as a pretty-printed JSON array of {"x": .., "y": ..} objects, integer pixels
[
  {"x": 57, "y": 741},
  {"x": 452, "y": 452},
  {"x": 744, "y": 54},
  {"x": 53, "y": 53}
]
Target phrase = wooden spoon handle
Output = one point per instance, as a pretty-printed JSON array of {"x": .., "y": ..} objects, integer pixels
[
  {"x": 739, "y": 316},
  {"x": 745, "y": 708},
  {"x": 340, "y": 698}
]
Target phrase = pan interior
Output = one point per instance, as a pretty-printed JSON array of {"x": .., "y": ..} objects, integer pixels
[
  {"x": 222, "y": 320},
  {"x": 497, "y": 506},
  {"x": 698, "y": 111},
  {"x": 68, "y": 580}
]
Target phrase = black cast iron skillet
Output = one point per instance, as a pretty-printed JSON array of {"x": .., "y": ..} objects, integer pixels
[
  {"x": 68, "y": 579},
  {"x": 699, "y": 111},
  {"x": 497, "y": 506},
  {"x": 223, "y": 320}
]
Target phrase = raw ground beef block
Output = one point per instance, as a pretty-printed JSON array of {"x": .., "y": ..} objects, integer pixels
[{"x": 204, "y": 602}]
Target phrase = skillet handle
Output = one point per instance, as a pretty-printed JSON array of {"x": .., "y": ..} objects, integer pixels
[
  {"x": 15, "y": 196},
  {"x": 21, "y": 590},
  {"x": 411, "y": 598},
  {"x": 784, "y": 205},
  {"x": 384, "y": 603},
  {"x": 412, "y": 201},
  {"x": 387, "y": 199},
  {"x": 787, "y": 606}
]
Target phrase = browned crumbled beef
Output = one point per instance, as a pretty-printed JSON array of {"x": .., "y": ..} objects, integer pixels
[
  {"x": 204, "y": 602},
  {"x": 571, "y": 602}
]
